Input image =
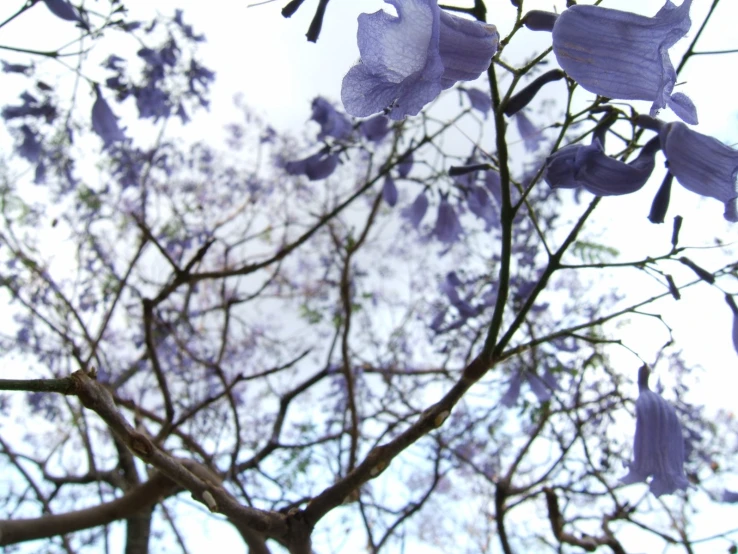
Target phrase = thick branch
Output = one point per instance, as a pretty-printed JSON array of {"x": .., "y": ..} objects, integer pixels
[{"x": 139, "y": 498}]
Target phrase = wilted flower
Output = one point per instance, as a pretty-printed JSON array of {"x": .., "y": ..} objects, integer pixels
[
  {"x": 315, "y": 167},
  {"x": 658, "y": 448},
  {"x": 104, "y": 121},
  {"x": 406, "y": 61},
  {"x": 588, "y": 166},
  {"x": 332, "y": 122},
  {"x": 702, "y": 164},
  {"x": 624, "y": 55}
]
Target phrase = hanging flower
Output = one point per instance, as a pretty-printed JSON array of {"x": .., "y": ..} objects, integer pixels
[
  {"x": 622, "y": 55},
  {"x": 658, "y": 448},
  {"x": 406, "y": 61}
]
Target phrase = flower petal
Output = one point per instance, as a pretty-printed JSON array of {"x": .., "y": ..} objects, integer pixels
[
  {"x": 702, "y": 164},
  {"x": 623, "y": 55}
]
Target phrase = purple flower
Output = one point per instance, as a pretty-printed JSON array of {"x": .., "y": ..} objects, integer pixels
[
  {"x": 315, "y": 167},
  {"x": 16, "y": 68},
  {"x": 64, "y": 10},
  {"x": 480, "y": 100},
  {"x": 406, "y": 61},
  {"x": 389, "y": 191},
  {"x": 104, "y": 121},
  {"x": 415, "y": 212},
  {"x": 588, "y": 166},
  {"x": 531, "y": 135},
  {"x": 480, "y": 204},
  {"x": 623, "y": 55},
  {"x": 658, "y": 448},
  {"x": 30, "y": 148},
  {"x": 30, "y": 107},
  {"x": 448, "y": 228},
  {"x": 702, "y": 164},
  {"x": 729, "y": 496},
  {"x": 332, "y": 122},
  {"x": 375, "y": 128},
  {"x": 542, "y": 387},
  {"x": 405, "y": 165}
]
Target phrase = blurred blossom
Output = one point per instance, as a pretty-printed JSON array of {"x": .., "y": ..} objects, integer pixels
[
  {"x": 406, "y": 61},
  {"x": 415, "y": 212},
  {"x": 30, "y": 148},
  {"x": 187, "y": 30},
  {"x": 332, "y": 122},
  {"x": 17, "y": 68},
  {"x": 375, "y": 128},
  {"x": 658, "y": 448},
  {"x": 64, "y": 10},
  {"x": 729, "y": 496},
  {"x": 31, "y": 107},
  {"x": 702, "y": 164},
  {"x": 104, "y": 121},
  {"x": 479, "y": 99},
  {"x": 542, "y": 387},
  {"x": 448, "y": 228},
  {"x": 315, "y": 167},
  {"x": 480, "y": 204},
  {"x": 532, "y": 136},
  {"x": 626, "y": 54},
  {"x": 389, "y": 191},
  {"x": 494, "y": 185},
  {"x": 405, "y": 165}
]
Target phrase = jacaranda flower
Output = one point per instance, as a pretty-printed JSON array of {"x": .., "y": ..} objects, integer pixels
[
  {"x": 104, "y": 121},
  {"x": 406, "y": 61},
  {"x": 702, "y": 164},
  {"x": 389, "y": 191},
  {"x": 658, "y": 449},
  {"x": 332, "y": 122},
  {"x": 315, "y": 167},
  {"x": 624, "y": 55},
  {"x": 415, "y": 212},
  {"x": 448, "y": 228},
  {"x": 588, "y": 166}
]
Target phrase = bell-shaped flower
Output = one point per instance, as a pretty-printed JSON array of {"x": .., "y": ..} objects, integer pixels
[
  {"x": 448, "y": 228},
  {"x": 658, "y": 449},
  {"x": 588, "y": 166},
  {"x": 624, "y": 55},
  {"x": 406, "y": 61},
  {"x": 729, "y": 497},
  {"x": 702, "y": 164},
  {"x": 531, "y": 135},
  {"x": 480, "y": 100},
  {"x": 315, "y": 167},
  {"x": 332, "y": 122},
  {"x": 481, "y": 205},
  {"x": 415, "y": 212},
  {"x": 389, "y": 191},
  {"x": 105, "y": 122}
]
